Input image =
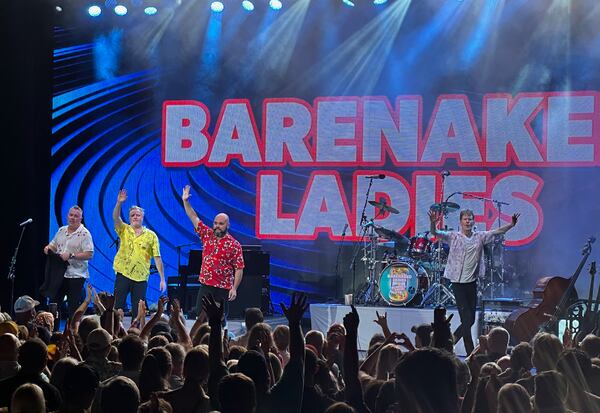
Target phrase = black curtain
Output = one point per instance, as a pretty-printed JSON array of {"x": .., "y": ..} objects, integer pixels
[{"x": 26, "y": 28}]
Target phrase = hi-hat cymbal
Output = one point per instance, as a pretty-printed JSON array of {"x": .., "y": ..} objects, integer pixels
[
  {"x": 445, "y": 206},
  {"x": 392, "y": 235},
  {"x": 383, "y": 206}
]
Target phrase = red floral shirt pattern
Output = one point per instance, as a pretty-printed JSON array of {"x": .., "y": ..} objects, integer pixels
[{"x": 220, "y": 258}]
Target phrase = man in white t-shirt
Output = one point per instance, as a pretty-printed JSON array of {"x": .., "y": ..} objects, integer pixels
[
  {"x": 465, "y": 265},
  {"x": 73, "y": 244}
]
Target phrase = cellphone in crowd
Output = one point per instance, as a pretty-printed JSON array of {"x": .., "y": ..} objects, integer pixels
[{"x": 439, "y": 314}]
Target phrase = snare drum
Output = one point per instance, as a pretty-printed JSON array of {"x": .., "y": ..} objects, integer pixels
[
  {"x": 419, "y": 246},
  {"x": 401, "y": 283}
]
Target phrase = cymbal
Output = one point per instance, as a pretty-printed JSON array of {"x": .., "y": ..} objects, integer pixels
[
  {"x": 391, "y": 235},
  {"x": 445, "y": 206},
  {"x": 384, "y": 207}
]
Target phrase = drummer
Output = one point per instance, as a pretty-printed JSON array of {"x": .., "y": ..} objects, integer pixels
[{"x": 465, "y": 265}]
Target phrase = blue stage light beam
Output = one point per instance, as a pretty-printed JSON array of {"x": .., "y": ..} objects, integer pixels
[
  {"x": 275, "y": 4},
  {"x": 120, "y": 10},
  {"x": 217, "y": 6},
  {"x": 248, "y": 5},
  {"x": 107, "y": 54},
  {"x": 94, "y": 11},
  {"x": 357, "y": 64},
  {"x": 274, "y": 45},
  {"x": 485, "y": 26}
]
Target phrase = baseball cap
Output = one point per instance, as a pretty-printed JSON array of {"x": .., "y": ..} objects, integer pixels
[
  {"x": 25, "y": 303},
  {"x": 98, "y": 339}
]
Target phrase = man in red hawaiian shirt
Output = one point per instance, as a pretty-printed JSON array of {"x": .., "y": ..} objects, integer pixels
[{"x": 222, "y": 259}]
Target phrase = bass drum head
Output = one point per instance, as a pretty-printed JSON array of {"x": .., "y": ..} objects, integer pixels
[{"x": 398, "y": 283}]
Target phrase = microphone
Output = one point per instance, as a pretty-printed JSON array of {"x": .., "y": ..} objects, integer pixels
[
  {"x": 380, "y": 176},
  {"x": 344, "y": 230},
  {"x": 29, "y": 221},
  {"x": 445, "y": 173},
  {"x": 369, "y": 224}
]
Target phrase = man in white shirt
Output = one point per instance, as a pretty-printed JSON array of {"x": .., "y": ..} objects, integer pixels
[
  {"x": 465, "y": 265},
  {"x": 73, "y": 244}
]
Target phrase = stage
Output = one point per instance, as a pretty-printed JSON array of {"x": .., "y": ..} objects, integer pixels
[{"x": 400, "y": 320}]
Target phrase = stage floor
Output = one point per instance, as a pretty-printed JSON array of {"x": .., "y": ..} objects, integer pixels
[{"x": 400, "y": 320}]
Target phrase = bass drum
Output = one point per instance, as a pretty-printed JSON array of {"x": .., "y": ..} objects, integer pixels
[{"x": 402, "y": 283}]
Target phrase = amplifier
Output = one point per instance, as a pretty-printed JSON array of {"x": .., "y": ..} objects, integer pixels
[
  {"x": 494, "y": 312},
  {"x": 254, "y": 291}
]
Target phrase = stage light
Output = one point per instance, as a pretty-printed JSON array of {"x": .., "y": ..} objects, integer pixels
[
  {"x": 248, "y": 5},
  {"x": 58, "y": 9},
  {"x": 94, "y": 11},
  {"x": 120, "y": 10},
  {"x": 379, "y": 1},
  {"x": 348, "y": 3},
  {"x": 217, "y": 6},
  {"x": 150, "y": 11},
  {"x": 275, "y": 4}
]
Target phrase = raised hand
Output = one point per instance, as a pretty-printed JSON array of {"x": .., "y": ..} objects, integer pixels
[
  {"x": 141, "y": 308},
  {"x": 351, "y": 320},
  {"x": 89, "y": 293},
  {"x": 296, "y": 309},
  {"x": 122, "y": 196},
  {"x": 514, "y": 219},
  {"x": 160, "y": 305},
  {"x": 434, "y": 216},
  {"x": 175, "y": 309},
  {"x": 185, "y": 195},
  {"x": 381, "y": 319},
  {"x": 213, "y": 309}
]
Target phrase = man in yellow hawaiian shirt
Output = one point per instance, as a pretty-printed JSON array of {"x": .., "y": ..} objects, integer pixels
[{"x": 138, "y": 245}]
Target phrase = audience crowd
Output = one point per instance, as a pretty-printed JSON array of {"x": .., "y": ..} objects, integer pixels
[{"x": 96, "y": 365}]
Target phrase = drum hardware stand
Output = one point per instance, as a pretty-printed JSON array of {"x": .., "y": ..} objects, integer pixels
[
  {"x": 368, "y": 292},
  {"x": 441, "y": 294}
]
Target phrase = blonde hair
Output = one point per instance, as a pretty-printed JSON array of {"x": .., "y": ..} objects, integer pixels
[{"x": 139, "y": 208}]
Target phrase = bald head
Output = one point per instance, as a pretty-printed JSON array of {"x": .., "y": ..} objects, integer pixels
[
  {"x": 221, "y": 225},
  {"x": 9, "y": 347}
]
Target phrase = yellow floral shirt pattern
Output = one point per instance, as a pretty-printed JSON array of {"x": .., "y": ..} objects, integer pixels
[{"x": 135, "y": 252}]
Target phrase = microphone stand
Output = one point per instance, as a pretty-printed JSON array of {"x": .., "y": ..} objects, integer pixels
[
  {"x": 11, "y": 272},
  {"x": 363, "y": 218},
  {"x": 337, "y": 265}
]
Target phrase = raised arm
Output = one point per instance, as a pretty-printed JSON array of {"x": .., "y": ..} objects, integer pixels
[
  {"x": 185, "y": 197},
  {"x": 160, "y": 308},
  {"x": 81, "y": 309},
  {"x": 118, "y": 222},
  {"x": 291, "y": 383},
  {"x": 353, "y": 391},
  {"x": 503, "y": 229},
  {"x": 433, "y": 219},
  {"x": 182, "y": 336}
]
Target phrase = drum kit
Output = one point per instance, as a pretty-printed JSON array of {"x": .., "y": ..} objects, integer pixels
[{"x": 403, "y": 271}]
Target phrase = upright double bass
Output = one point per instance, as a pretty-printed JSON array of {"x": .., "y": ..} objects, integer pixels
[{"x": 551, "y": 297}]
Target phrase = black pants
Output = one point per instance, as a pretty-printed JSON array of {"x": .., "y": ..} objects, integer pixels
[
  {"x": 124, "y": 286},
  {"x": 73, "y": 289},
  {"x": 466, "y": 303},
  {"x": 217, "y": 293}
]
